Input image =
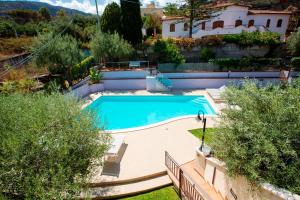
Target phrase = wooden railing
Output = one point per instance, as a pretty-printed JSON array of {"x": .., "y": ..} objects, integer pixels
[
  {"x": 187, "y": 188},
  {"x": 172, "y": 165}
]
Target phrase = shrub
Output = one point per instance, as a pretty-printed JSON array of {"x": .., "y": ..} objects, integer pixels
[
  {"x": 105, "y": 46},
  {"x": 295, "y": 62},
  {"x": 95, "y": 76},
  {"x": 48, "y": 146},
  {"x": 82, "y": 69},
  {"x": 206, "y": 54},
  {"x": 293, "y": 43},
  {"x": 235, "y": 63},
  {"x": 248, "y": 39},
  {"x": 168, "y": 52},
  {"x": 6, "y": 29},
  {"x": 21, "y": 86},
  {"x": 15, "y": 45},
  {"x": 260, "y": 139}
]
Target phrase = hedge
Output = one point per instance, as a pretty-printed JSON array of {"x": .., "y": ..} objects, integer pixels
[{"x": 238, "y": 63}]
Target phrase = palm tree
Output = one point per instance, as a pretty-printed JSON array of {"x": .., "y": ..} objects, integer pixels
[{"x": 152, "y": 21}]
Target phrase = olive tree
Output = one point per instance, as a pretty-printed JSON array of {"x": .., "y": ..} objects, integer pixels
[
  {"x": 49, "y": 146},
  {"x": 293, "y": 43},
  {"x": 105, "y": 46},
  {"x": 58, "y": 53},
  {"x": 259, "y": 134}
]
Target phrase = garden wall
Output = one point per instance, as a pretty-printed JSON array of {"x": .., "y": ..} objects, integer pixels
[
  {"x": 226, "y": 51},
  {"x": 215, "y": 173}
]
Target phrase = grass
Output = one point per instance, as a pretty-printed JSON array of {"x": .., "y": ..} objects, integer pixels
[
  {"x": 209, "y": 132},
  {"x": 167, "y": 193}
]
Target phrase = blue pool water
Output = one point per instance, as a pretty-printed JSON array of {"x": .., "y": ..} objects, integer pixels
[{"x": 121, "y": 112}]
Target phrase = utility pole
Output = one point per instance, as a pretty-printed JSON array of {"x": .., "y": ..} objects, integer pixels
[
  {"x": 191, "y": 18},
  {"x": 98, "y": 23}
]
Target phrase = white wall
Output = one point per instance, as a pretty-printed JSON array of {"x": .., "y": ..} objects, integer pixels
[{"x": 229, "y": 16}]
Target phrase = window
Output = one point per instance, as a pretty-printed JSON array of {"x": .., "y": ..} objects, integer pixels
[
  {"x": 203, "y": 25},
  {"x": 268, "y": 23},
  {"x": 218, "y": 24},
  {"x": 185, "y": 26},
  {"x": 251, "y": 23},
  {"x": 238, "y": 23},
  {"x": 279, "y": 23},
  {"x": 172, "y": 27}
]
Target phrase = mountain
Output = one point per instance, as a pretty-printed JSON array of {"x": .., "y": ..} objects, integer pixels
[{"x": 35, "y": 6}]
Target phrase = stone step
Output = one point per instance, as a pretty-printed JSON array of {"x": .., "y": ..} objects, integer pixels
[{"x": 117, "y": 191}]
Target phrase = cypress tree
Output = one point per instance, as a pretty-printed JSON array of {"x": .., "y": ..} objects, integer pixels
[
  {"x": 111, "y": 19},
  {"x": 131, "y": 21}
]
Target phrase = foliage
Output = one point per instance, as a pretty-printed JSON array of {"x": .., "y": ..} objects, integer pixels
[
  {"x": 105, "y": 46},
  {"x": 152, "y": 21},
  {"x": 245, "y": 62},
  {"x": 167, "y": 193},
  {"x": 81, "y": 69},
  {"x": 111, "y": 19},
  {"x": 295, "y": 62},
  {"x": 23, "y": 86},
  {"x": 23, "y": 16},
  {"x": 171, "y": 9},
  {"x": 208, "y": 135},
  {"x": 45, "y": 13},
  {"x": 259, "y": 136},
  {"x": 248, "y": 39},
  {"x": 48, "y": 146},
  {"x": 168, "y": 52},
  {"x": 58, "y": 53},
  {"x": 293, "y": 43},
  {"x": 206, "y": 54},
  {"x": 131, "y": 21},
  {"x": 6, "y": 29},
  {"x": 15, "y": 45},
  {"x": 189, "y": 43},
  {"x": 95, "y": 76}
]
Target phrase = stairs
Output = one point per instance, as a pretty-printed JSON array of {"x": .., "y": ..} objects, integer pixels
[
  {"x": 127, "y": 188},
  {"x": 163, "y": 81}
]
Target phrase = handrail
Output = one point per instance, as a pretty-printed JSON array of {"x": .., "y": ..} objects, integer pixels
[{"x": 187, "y": 187}]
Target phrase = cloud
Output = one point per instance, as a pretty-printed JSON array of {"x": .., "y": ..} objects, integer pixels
[
  {"x": 89, "y": 5},
  {"x": 83, "y": 5}
]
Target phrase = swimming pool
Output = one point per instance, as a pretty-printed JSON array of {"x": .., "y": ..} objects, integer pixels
[{"x": 122, "y": 112}]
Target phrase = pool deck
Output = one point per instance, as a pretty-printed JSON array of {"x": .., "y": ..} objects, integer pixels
[{"x": 144, "y": 151}]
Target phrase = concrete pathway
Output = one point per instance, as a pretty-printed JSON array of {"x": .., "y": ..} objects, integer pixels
[{"x": 144, "y": 152}]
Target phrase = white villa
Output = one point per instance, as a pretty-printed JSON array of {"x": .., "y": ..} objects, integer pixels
[{"x": 231, "y": 19}]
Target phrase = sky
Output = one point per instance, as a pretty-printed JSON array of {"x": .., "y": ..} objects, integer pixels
[{"x": 89, "y": 5}]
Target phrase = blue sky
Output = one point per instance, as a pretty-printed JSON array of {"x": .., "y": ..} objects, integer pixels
[{"x": 89, "y": 5}]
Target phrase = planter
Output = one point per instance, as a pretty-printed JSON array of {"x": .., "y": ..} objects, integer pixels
[{"x": 97, "y": 87}]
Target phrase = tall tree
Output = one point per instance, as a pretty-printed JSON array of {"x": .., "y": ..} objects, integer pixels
[
  {"x": 111, "y": 19},
  {"x": 293, "y": 43},
  {"x": 131, "y": 21},
  {"x": 45, "y": 13}
]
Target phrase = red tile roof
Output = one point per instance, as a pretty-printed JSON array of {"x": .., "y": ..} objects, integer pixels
[{"x": 256, "y": 12}]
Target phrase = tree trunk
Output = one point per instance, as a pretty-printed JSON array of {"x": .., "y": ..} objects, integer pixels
[
  {"x": 191, "y": 19},
  {"x": 154, "y": 32}
]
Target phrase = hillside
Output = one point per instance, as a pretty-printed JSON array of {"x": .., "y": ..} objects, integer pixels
[{"x": 30, "y": 5}]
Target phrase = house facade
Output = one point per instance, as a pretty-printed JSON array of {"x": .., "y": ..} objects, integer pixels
[{"x": 231, "y": 19}]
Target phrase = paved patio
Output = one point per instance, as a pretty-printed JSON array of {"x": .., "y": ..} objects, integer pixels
[{"x": 144, "y": 150}]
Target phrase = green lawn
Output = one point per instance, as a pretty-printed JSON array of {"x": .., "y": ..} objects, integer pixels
[
  {"x": 167, "y": 193},
  {"x": 207, "y": 136}
]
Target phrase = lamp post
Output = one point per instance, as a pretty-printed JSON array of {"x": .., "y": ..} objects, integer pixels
[
  {"x": 98, "y": 18},
  {"x": 203, "y": 119}
]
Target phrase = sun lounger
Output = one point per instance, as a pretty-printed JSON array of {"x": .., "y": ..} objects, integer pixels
[
  {"x": 215, "y": 94},
  {"x": 134, "y": 64},
  {"x": 112, "y": 154}
]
